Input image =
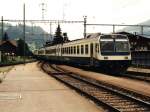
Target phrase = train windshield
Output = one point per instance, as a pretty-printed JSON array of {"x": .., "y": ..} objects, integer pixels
[
  {"x": 121, "y": 46},
  {"x": 107, "y": 45},
  {"x": 113, "y": 46}
]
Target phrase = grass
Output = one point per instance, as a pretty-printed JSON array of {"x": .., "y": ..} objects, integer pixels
[{"x": 4, "y": 70}]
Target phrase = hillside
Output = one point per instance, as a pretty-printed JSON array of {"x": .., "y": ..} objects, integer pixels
[
  {"x": 35, "y": 37},
  {"x": 146, "y": 30}
]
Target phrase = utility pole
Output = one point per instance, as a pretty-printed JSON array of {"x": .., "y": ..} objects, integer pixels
[
  {"x": 2, "y": 31},
  {"x": 24, "y": 32},
  {"x": 64, "y": 6},
  {"x": 50, "y": 31},
  {"x": 85, "y": 20},
  {"x": 43, "y": 6},
  {"x": 113, "y": 28},
  {"x": 2, "y": 28},
  {"x": 141, "y": 30}
]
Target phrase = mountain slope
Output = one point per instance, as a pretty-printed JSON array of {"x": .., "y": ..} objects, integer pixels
[
  {"x": 131, "y": 29},
  {"x": 35, "y": 36}
]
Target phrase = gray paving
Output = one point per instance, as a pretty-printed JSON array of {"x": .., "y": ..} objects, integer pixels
[{"x": 27, "y": 89}]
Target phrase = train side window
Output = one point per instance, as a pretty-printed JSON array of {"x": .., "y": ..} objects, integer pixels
[
  {"x": 78, "y": 49},
  {"x": 86, "y": 49},
  {"x": 62, "y": 50},
  {"x": 74, "y": 49},
  {"x": 71, "y": 49},
  {"x": 67, "y": 50},
  {"x": 82, "y": 49}
]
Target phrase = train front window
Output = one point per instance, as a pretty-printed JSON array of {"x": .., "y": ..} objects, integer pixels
[
  {"x": 114, "y": 46},
  {"x": 107, "y": 45},
  {"x": 122, "y": 46}
]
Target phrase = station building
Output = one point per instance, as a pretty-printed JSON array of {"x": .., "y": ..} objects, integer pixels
[
  {"x": 8, "y": 47},
  {"x": 138, "y": 42},
  {"x": 140, "y": 49}
]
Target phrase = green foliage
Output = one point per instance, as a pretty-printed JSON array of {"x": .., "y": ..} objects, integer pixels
[
  {"x": 58, "y": 36},
  {"x": 65, "y": 37},
  {"x": 33, "y": 34},
  {"x": 5, "y": 37},
  {"x": 20, "y": 48}
]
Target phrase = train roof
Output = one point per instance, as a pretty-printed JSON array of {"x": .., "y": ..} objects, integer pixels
[{"x": 90, "y": 37}]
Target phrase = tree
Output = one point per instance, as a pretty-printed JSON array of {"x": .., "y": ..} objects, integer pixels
[
  {"x": 5, "y": 37},
  {"x": 58, "y": 38},
  {"x": 65, "y": 37},
  {"x": 20, "y": 48}
]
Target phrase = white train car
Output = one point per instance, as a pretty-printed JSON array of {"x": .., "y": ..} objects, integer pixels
[{"x": 106, "y": 51}]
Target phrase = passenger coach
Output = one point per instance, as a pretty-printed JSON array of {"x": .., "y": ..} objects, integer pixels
[{"x": 110, "y": 52}]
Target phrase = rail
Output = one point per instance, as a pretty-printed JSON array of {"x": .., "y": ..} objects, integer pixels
[
  {"x": 138, "y": 76},
  {"x": 114, "y": 99}
]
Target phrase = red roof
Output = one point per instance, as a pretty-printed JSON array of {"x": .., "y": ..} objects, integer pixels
[{"x": 13, "y": 42}]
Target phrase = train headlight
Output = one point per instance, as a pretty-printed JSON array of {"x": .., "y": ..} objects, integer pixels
[
  {"x": 105, "y": 58},
  {"x": 126, "y": 57}
]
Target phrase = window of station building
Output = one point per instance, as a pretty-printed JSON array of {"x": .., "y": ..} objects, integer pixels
[
  {"x": 86, "y": 49},
  {"x": 78, "y": 48},
  {"x": 82, "y": 49},
  {"x": 74, "y": 49}
]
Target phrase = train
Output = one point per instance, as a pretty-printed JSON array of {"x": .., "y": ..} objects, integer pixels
[{"x": 110, "y": 52}]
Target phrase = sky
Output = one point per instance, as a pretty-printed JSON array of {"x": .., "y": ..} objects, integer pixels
[{"x": 97, "y": 11}]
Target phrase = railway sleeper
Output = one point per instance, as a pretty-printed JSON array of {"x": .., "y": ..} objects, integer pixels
[
  {"x": 126, "y": 106},
  {"x": 134, "y": 110}
]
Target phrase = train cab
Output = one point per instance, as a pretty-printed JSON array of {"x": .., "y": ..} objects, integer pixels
[{"x": 114, "y": 50}]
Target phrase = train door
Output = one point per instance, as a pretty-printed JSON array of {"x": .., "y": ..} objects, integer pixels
[{"x": 91, "y": 54}]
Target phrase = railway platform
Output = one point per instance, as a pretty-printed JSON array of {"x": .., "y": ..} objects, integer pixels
[
  {"x": 140, "y": 70},
  {"x": 26, "y": 88},
  {"x": 129, "y": 84}
]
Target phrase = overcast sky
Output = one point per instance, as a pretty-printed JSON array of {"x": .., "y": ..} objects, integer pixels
[{"x": 97, "y": 11}]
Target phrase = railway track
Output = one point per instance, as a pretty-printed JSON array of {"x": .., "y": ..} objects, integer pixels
[
  {"x": 115, "y": 99},
  {"x": 138, "y": 76},
  {"x": 141, "y": 76}
]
